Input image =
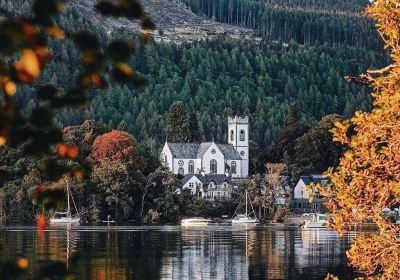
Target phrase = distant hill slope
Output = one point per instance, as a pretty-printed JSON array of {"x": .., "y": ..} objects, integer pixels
[
  {"x": 308, "y": 22},
  {"x": 173, "y": 20}
]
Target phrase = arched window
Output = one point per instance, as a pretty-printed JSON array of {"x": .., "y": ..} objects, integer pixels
[
  {"x": 213, "y": 166},
  {"x": 166, "y": 160},
  {"x": 232, "y": 135},
  {"x": 242, "y": 135},
  {"x": 191, "y": 167},
  {"x": 181, "y": 171},
  {"x": 233, "y": 167}
]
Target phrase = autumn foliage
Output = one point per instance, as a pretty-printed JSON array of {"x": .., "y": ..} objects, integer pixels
[
  {"x": 115, "y": 146},
  {"x": 368, "y": 177}
]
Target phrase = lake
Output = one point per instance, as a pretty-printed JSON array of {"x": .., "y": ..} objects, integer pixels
[{"x": 172, "y": 252}]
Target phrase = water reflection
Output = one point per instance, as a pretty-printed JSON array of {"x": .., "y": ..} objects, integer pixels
[{"x": 184, "y": 253}]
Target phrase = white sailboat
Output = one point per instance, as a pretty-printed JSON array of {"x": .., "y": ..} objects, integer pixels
[
  {"x": 66, "y": 218},
  {"x": 245, "y": 218}
]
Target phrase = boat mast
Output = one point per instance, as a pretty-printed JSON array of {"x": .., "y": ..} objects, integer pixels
[
  {"x": 69, "y": 207},
  {"x": 246, "y": 203}
]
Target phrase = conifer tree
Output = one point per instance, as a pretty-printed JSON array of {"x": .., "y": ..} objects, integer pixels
[
  {"x": 193, "y": 128},
  {"x": 177, "y": 123}
]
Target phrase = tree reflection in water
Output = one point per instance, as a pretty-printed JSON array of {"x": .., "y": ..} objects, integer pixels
[{"x": 198, "y": 253}]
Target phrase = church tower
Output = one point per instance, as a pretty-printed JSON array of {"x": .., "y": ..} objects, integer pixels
[{"x": 238, "y": 136}]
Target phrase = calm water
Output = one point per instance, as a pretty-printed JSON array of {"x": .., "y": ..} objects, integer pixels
[{"x": 171, "y": 252}]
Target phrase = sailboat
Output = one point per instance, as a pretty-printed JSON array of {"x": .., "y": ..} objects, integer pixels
[
  {"x": 245, "y": 218},
  {"x": 66, "y": 218}
]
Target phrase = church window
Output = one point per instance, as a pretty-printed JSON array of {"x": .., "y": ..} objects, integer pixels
[
  {"x": 242, "y": 153},
  {"x": 166, "y": 160},
  {"x": 181, "y": 171},
  {"x": 181, "y": 162},
  {"x": 191, "y": 167},
  {"x": 213, "y": 151},
  {"x": 213, "y": 166},
  {"x": 242, "y": 136},
  {"x": 191, "y": 186},
  {"x": 232, "y": 135},
  {"x": 233, "y": 167}
]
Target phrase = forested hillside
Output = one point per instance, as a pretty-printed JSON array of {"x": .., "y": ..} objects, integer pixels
[
  {"x": 335, "y": 22},
  {"x": 220, "y": 77}
]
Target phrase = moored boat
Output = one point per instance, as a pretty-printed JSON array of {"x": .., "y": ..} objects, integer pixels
[
  {"x": 316, "y": 221},
  {"x": 198, "y": 221},
  {"x": 245, "y": 218},
  {"x": 66, "y": 218}
]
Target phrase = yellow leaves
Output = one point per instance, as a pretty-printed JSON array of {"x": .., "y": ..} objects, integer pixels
[
  {"x": 22, "y": 263},
  {"x": 340, "y": 132},
  {"x": 311, "y": 199},
  {"x": 366, "y": 180},
  {"x": 331, "y": 277}
]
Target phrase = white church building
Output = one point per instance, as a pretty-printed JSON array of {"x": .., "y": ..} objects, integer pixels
[{"x": 210, "y": 158}]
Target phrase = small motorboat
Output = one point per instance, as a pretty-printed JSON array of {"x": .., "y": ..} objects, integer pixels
[
  {"x": 66, "y": 218},
  {"x": 316, "y": 221},
  {"x": 198, "y": 221},
  {"x": 245, "y": 218}
]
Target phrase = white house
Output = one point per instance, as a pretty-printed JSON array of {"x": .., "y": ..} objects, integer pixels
[
  {"x": 230, "y": 159},
  {"x": 300, "y": 190},
  {"x": 301, "y": 202},
  {"x": 212, "y": 186}
]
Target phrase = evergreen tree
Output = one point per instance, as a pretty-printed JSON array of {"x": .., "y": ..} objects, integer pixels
[
  {"x": 193, "y": 127},
  {"x": 177, "y": 123},
  {"x": 292, "y": 116}
]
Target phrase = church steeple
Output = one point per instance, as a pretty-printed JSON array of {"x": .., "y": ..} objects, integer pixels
[{"x": 238, "y": 136}]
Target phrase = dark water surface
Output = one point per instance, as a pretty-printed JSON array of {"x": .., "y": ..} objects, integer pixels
[{"x": 172, "y": 252}]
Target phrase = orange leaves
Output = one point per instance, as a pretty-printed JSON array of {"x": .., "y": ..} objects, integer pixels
[
  {"x": 29, "y": 66},
  {"x": 41, "y": 222},
  {"x": 366, "y": 180},
  {"x": 3, "y": 140},
  {"x": 68, "y": 151},
  {"x": 22, "y": 263},
  {"x": 9, "y": 86},
  {"x": 55, "y": 32},
  {"x": 125, "y": 69}
]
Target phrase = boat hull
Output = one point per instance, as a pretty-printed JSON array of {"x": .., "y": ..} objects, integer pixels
[
  {"x": 65, "y": 221},
  {"x": 315, "y": 224},
  {"x": 196, "y": 222},
  {"x": 245, "y": 221}
]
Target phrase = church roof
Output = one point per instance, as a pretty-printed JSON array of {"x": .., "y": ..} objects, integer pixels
[
  {"x": 184, "y": 150},
  {"x": 229, "y": 151},
  {"x": 203, "y": 148},
  {"x": 197, "y": 150}
]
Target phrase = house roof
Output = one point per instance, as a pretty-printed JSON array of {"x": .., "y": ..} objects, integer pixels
[
  {"x": 197, "y": 150},
  {"x": 218, "y": 179},
  {"x": 316, "y": 179}
]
